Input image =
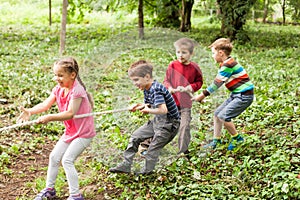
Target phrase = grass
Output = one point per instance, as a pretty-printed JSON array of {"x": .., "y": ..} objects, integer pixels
[{"x": 264, "y": 167}]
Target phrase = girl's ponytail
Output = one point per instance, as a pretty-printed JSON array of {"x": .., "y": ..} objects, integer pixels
[{"x": 88, "y": 94}]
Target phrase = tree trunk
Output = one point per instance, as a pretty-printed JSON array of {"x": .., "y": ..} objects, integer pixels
[
  {"x": 50, "y": 14},
  {"x": 283, "y": 11},
  {"x": 141, "y": 19},
  {"x": 186, "y": 13},
  {"x": 266, "y": 10},
  {"x": 63, "y": 27}
]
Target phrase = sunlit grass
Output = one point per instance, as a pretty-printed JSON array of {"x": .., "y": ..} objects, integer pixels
[{"x": 105, "y": 45}]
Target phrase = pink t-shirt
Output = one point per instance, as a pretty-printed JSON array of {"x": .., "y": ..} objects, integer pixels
[{"x": 82, "y": 127}]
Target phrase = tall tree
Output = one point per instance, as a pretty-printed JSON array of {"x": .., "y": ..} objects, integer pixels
[
  {"x": 186, "y": 14},
  {"x": 234, "y": 16},
  {"x": 266, "y": 10},
  {"x": 63, "y": 27},
  {"x": 283, "y": 7},
  {"x": 50, "y": 13},
  {"x": 141, "y": 19}
]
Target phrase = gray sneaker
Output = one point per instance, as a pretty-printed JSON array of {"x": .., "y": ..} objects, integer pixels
[
  {"x": 46, "y": 194},
  {"x": 144, "y": 172},
  {"x": 123, "y": 167}
]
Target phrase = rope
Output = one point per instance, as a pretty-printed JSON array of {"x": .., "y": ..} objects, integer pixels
[
  {"x": 84, "y": 115},
  {"x": 75, "y": 117},
  {"x": 101, "y": 113},
  {"x": 181, "y": 89},
  {"x": 18, "y": 125}
]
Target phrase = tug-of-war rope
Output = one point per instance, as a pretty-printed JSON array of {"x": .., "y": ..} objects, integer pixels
[
  {"x": 179, "y": 89},
  {"x": 76, "y": 117}
]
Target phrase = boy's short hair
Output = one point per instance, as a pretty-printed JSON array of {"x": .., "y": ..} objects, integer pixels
[
  {"x": 223, "y": 44},
  {"x": 140, "y": 69},
  {"x": 185, "y": 42}
]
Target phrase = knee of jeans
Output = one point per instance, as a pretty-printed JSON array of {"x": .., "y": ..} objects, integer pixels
[
  {"x": 134, "y": 143},
  {"x": 216, "y": 113},
  {"x": 227, "y": 120},
  {"x": 66, "y": 161},
  {"x": 221, "y": 118},
  {"x": 53, "y": 158}
]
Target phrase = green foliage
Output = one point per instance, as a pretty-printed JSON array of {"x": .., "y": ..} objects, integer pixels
[
  {"x": 265, "y": 166},
  {"x": 234, "y": 16},
  {"x": 295, "y": 7}
]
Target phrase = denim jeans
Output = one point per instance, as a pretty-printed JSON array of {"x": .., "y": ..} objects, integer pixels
[{"x": 233, "y": 106}]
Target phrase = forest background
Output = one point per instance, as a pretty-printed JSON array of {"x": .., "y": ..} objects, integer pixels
[{"x": 104, "y": 36}]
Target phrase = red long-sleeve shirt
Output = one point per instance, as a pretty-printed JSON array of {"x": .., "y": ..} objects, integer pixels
[{"x": 178, "y": 74}]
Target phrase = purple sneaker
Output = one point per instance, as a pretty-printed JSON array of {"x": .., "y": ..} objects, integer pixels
[
  {"x": 77, "y": 197},
  {"x": 46, "y": 193}
]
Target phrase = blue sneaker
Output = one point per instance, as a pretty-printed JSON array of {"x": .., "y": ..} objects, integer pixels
[
  {"x": 234, "y": 142},
  {"x": 213, "y": 144},
  {"x": 143, "y": 153},
  {"x": 46, "y": 193}
]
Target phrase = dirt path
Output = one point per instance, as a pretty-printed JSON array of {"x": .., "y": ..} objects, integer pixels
[{"x": 24, "y": 170}]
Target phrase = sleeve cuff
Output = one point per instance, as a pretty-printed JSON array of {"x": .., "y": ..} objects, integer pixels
[{"x": 206, "y": 93}]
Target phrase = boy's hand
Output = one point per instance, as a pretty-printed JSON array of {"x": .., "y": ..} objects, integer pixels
[
  {"x": 138, "y": 106},
  {"x": 189, "y": 89},
  {"x": 171, "y": 90},
  {"x": 25, "y": 115},
  {"x": 198, "y": 98},
  {"x": 145, "y": 110},
  {"x": 180, "y": 89}
]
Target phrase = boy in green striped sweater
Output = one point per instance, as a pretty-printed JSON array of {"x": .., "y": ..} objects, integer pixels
[{"x": 237, "y": 81}]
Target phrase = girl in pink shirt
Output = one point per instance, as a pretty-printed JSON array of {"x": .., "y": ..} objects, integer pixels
[{"x": 72, "y": 99}]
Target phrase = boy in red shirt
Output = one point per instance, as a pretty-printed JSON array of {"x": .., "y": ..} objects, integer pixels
[{"x": 183, "y": 77}]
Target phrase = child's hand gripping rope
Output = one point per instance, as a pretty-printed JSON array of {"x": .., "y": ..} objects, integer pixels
[
  {"x": 24, "y": 117},
  {"x": 187, "y": 89}
]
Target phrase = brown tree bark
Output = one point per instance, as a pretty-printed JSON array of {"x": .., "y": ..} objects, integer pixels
[
  {"x": 283, "y": 11},
  {"x": 186, "y": 14},
  {"x": 266, "y": 10},
  {"x": 141, "y": 19},
  {"x": 50, "y": 13},
  {"x": 63, "y": 27}
]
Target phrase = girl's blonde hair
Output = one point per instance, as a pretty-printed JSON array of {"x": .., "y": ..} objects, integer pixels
[
  {"x": 223, "y": 44},
  {"x": 70, "y": 65}
]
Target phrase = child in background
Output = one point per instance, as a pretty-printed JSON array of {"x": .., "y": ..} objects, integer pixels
[
  {"x": 163, "y": 127},
  {"x": 72, "y": 98},
  {"x": 183, "y": 75},
  {"x": 237, "y": 81}
]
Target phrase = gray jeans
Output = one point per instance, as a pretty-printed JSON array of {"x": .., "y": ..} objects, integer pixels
[
  {"x": 184, "y": 137},
  {"x": 162, "y": 129}
]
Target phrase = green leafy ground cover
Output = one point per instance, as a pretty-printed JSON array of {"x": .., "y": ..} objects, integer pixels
[{"x": 265, "y": 166}]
